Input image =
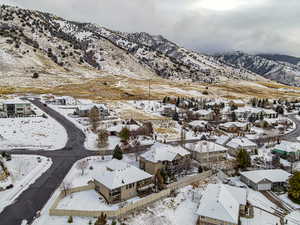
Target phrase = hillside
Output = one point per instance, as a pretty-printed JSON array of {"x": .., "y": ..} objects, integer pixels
[
  {"x": 43, "y": 53},
  {"x": 64, "y": 51},
  {"x": 281, "y": 68}
]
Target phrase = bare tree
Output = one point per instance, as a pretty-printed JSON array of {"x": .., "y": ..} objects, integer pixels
[
  {"x": 102, "y": 138},
  {"x": 82, "y": 165},
  {"x": 94, "y": 116},
  {"x": 65, "y": 187}
]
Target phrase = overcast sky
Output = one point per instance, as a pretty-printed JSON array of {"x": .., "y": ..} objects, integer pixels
[{"x": 254, "y": 26}]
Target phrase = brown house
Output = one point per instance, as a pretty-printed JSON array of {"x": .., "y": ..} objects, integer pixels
[
  {"x": 119, "y": 181},
  {"x": 161, "y": 156}
]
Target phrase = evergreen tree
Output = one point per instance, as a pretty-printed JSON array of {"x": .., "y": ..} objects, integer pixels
[
  {"x": 70, "y": 219},
  {"x": 118, "y": 154},
  {"x": 233, "y": 116},
  {"x": 124, "y": 134},
  {"x": 243, "y": 159},
  {"x": 294, "y": 187}
]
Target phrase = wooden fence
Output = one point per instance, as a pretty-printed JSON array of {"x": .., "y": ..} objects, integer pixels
[{"x": 128, "y": 208}]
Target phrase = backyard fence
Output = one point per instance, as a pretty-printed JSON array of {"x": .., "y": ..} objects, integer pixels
[{"x": 128, "y": 208}]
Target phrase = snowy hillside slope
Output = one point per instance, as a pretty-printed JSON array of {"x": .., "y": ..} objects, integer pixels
[
  {"x": 284, "y": 69},
  {"x": 65, "y": 52}
]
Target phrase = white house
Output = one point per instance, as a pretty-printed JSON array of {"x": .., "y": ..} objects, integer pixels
[
  {"x": 221, "y": 204},
  {"x": 265, "y": 180},
  {"x": 241, "y": 143}
]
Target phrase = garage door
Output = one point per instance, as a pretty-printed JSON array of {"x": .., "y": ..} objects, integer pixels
[{"x": 264, "y": 187}]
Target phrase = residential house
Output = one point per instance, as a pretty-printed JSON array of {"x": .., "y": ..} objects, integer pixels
[
  {"x": 238, "y": 143},
  {"x": 288, "y": 150},
  {"x": 235, "y": 127},
  {"x": 84, "y": 110},
  {"x": 221, "y": 204},
  {"x": 198, "y": 125},
  {"x": 204, "y": 114},
  {"x": 118, "y": 181},
  {"x": 173, "y": 159},
  {"x": 237, "y": 102},
  {"x": 207, "y": 152},
  {"x": 265, "y": 180},
  {"x": 15, "y": 108},
  {"x": 222, "y": 140}
]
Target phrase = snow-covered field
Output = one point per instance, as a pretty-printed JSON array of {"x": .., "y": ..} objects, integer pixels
[
  {"x": 31, "y": 133},
  {"x": 24, "y": 169}
]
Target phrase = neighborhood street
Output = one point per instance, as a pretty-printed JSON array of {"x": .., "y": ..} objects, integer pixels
[{"x": 36, "y": 196}]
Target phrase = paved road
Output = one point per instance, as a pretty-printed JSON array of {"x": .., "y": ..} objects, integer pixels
[
  {"x": 295, "y": 133},
  {"x": 36, "y": 196}
]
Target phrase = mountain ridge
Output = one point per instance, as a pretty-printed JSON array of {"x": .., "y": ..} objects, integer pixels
[{"x": 39, "y": 42}]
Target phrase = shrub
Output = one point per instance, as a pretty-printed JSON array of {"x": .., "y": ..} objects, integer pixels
[
  {"x": 70, "y": 219},
  {"x": 35, "y": 75}
]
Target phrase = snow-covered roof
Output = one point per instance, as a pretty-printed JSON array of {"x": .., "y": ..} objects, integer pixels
[
  {"x": 222, "y": 202},
  {"x": 237, "y": 101},
  {"x": 117, "y": 173},
  {"x": 248, "y": 109},
  {"x": 207, "y": 146},
  {"x": 240, "y": 142},
  {"x": 162, "y": 152},
  {"x": 198, "y": 123},
  {"x": 276, "y": 175},
  {"x": 85, "y": 107},
  {"x": 203, "y": 112},
  {"x": 14, "y": 101},
  {"x": 288, "y": 146},
  {"x": 221, "y": 140},
  {"x": 269, "y": 111},
  {"x": 234, "y": 124}
]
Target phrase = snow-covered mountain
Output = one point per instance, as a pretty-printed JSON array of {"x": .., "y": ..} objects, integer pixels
[
  {"x": 65, "y": 51},
  {"x": 282, "y": 68}
]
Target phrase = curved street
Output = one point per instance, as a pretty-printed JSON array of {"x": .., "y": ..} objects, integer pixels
[{"x": 37, "y": 194}]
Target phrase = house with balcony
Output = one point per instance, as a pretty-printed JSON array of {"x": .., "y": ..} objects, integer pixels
[
  {"x": 118, "y": 181},
  {"x": 222, "y": 204},
  {"x": 173, "y": 159},
  {"x": 15, "y": 108},
  {"x": 206, "y": 152}
]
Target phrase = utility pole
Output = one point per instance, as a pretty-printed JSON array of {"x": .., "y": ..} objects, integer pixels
[{"x": 149, "y": 91}]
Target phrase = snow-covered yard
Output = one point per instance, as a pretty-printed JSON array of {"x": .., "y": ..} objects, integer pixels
[
  {"x": 261, "y": 218},
  {"x": 31, "y": 133},
  {"x": 177, "y": 210},
  {"x": 24, "y": 170}
]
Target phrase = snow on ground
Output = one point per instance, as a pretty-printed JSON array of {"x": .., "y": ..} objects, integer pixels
[
  {"x": 179, "y": 210},
  {"x": 31, "y": 133},
  {"x": 261, "y": 218},
  {"x": 24, "y": 169},
  {"x": 293, "y": 218},
  {"x": 95, "y": 163},
  {"x": 258, "y": 199},
  {"x": 77, "y": 201},
  {"x": 285, "y": 199}
]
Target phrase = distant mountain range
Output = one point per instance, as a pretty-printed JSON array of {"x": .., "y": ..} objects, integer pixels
[{"x": 282, "y": 68}]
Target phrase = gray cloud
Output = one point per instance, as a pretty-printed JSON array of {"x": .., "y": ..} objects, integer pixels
[{"x": 255, "y": 26}]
